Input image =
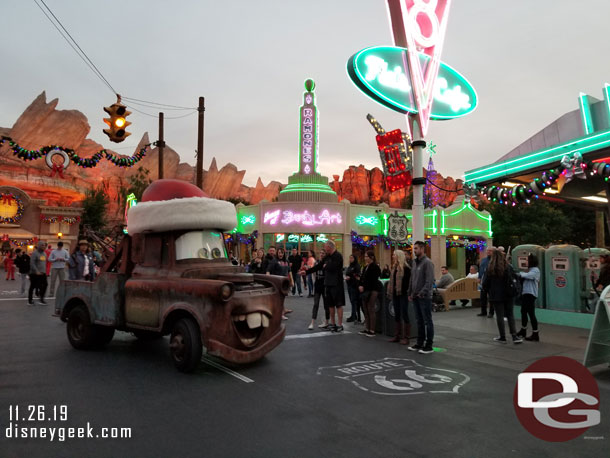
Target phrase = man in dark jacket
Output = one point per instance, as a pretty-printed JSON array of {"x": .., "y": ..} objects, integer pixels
[
  {"x": 82, "y": 266},
  {"x": 270, "y": 263},
  {"x": 420, "y": 292},
  {"x": 334, "y": 296},
  {"x": 22, "y": 262},
  {"x": 38, "y": 273}
]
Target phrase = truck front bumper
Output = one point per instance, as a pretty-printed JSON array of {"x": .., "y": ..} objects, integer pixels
[{"x": 233, "y": 355}]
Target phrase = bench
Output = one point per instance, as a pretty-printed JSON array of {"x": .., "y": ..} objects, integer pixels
[{"x": 464, "y": 288}]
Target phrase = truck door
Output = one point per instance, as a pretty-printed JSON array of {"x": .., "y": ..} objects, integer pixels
[{"x": 143, "y": 293}]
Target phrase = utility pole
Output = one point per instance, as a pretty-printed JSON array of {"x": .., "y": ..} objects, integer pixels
[
  {"x": 201, "y": 110},
  {"x": 161, "y": 145}
]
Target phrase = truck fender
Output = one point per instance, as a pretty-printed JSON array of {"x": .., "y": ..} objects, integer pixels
[
  {"x": 73, "y": 302},
  {"x": 176, "y": 311}
]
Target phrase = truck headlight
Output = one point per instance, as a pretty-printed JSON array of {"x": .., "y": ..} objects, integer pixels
[{"x": 226, "y": 291}]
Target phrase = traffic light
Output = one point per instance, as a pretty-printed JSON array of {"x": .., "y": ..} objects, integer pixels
[{"x": 117, "y": 122}]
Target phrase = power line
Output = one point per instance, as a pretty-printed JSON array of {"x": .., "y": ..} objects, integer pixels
[
  {"x": 71, "y": 45},
  {"x": 84, "y": 54},
  {"x": 131, "y": 107},
  {"x": 157, "y": 107},
  {"x": 85, "y": 58},
  {"x": 161, "y": 104}
]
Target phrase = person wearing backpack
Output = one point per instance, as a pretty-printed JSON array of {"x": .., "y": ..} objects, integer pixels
[
  {"x": 499, "y": 285},
  {"x": 531, "y": 279}
]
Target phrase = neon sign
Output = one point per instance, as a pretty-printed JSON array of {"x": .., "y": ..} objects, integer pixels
[
  {"x": 131, "y": 202},
  {"x": 306, "y": 239},
  {"x": 322, "y": 238},
  {"x": 308, "y": 137},
  {"x": 248, "y": 219},
  {"x": 279, "y": 238},
  {"x": 271, "y": 217},
  {"x": 304, "y": 218},
  {"x": 379, "y": 73},
  {"x": 293, "y": 238},
  {"x": 424, "y": 24},
  {"x": 371, "y": 220}
]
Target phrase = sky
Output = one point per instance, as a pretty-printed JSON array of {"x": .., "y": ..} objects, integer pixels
[{"x": 528, "y": 61}]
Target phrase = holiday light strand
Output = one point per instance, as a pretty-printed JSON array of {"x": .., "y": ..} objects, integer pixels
[
  {"x": 90, "y": 162},
  {"x": 70, "y": 220}
]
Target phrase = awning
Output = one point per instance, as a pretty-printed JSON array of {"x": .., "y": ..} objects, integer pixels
[{"x": 16, "y": 233}]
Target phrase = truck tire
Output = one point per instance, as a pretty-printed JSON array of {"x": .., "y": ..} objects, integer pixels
[
  {"x": 81, "y": 333},
  {"x": 185, "y": 345}
]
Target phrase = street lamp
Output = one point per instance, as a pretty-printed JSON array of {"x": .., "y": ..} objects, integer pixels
[{"x": 60, "y": 235}]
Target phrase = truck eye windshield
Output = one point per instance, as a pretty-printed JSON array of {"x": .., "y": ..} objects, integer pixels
[{"x": 200, "y": 245}]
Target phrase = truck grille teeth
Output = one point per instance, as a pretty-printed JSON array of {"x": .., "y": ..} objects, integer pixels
[
  {"x": 254, "y": 320},
  {"x": 250, "y": 326}
]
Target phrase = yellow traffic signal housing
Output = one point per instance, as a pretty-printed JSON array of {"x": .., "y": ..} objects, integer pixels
[{"x": 117, "y": 123}]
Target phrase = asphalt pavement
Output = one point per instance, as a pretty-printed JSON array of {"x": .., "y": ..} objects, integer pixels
[{"x": 319, "y": 394}]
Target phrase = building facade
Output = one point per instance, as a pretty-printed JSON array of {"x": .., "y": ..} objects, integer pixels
[{"x": 308, "y": 213}]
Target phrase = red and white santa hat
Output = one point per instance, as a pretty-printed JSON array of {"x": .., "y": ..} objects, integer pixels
[{"x": 170, "y": 205}]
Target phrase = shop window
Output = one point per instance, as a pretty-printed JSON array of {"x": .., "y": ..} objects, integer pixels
[
  {"x": 54, "y": 228},
  {"x": 64, "y": 228},
  {"x": 268, "y": 240}
]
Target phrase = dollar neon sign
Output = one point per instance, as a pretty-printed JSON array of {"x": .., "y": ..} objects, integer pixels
[
  {"x": 379, "y": 73},
  {"x": 304, "y": 218}
]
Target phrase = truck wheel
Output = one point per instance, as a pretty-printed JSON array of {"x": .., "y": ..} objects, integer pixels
[
  {"x": 103, "y": 335},
  {"x": 81, "y": 333},
  {"x": 185, "y": 345}
]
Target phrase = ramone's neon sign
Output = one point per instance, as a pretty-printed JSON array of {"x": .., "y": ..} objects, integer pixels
[{"x": 287, "y": 217}]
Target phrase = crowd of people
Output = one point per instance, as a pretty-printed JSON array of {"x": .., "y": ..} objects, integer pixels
[
  {"x": 410, "y": 283},
  {"x": 324, "y": 278},
  {"x": 46, "y": 263}
]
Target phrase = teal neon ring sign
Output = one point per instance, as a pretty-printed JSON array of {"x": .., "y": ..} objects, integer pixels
[{"x": 379, "y": 72}]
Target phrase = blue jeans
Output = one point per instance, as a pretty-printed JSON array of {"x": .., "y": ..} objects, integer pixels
[
  {"x": 310, "y": 284},
  {"x": 425, "y": 327},
  {"x": 297, "y": 284}
]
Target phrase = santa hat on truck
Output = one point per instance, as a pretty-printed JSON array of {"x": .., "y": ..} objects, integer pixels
[{"x": 170, "y": 205}]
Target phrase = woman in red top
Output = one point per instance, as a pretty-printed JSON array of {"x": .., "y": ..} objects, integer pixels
[{"x": 9, "y": 266}]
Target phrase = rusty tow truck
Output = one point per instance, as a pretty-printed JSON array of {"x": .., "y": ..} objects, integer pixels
[{"x": 171, "y": 276}]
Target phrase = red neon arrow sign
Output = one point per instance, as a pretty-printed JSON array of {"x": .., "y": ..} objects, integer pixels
[{"x": 422, "y": 24}]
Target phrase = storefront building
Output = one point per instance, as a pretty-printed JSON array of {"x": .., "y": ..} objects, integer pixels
[
  {"x": 308, "y": 214},
  {"x": 24, "y": 221}
]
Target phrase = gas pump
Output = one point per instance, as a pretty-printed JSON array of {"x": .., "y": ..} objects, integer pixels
[
  {"x": 565, "y": 286},
  {"x": 591, "y": 264}
]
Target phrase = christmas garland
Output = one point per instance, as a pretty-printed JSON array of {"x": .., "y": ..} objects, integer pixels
[
  {"x": 469, "y": 245},
  {"x": 374, "y": 240},
  {"x": 90, "y": 162},
  {"x": 247, "y": 239},
  {"x": 70, "y": 220},
  {"x": 20, "y": 208},
  {"x": 525, "y": 193}
]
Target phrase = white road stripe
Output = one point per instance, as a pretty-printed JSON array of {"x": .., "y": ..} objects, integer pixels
[
  {"x": 23, "y": 298},
  {"x": 220, "y": 367},
  {"x": 314, "y": 334}
]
